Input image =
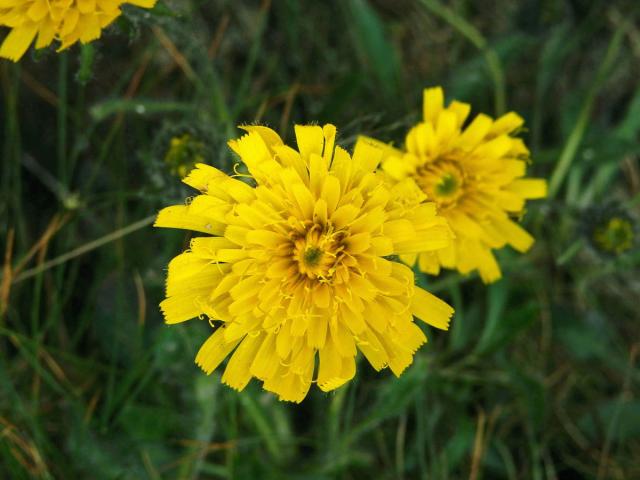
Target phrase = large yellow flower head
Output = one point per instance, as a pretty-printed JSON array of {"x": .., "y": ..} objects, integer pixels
[
  {"x": 475, "y": 176},
  {"x": 296, "y": 264},
  {"x": 68, "y": 21}
]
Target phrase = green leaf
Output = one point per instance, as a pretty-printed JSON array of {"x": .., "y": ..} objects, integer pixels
[
  {"x": 376, "y": 50},
  {"x": 497, "y": 295},
  {"x": 104, "y": 110},
  {"x": 618, "y": 418}
]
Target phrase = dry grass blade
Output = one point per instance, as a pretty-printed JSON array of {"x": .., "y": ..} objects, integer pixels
[
  {"x": 175, "y": 54},
  {"x": 84, "y": 249},
  {"x": 56, "y": 223},
  {"x": 478, "y": 446},
  {"x": 23, "y": 450},
  {"x": 5, "y": 285}
]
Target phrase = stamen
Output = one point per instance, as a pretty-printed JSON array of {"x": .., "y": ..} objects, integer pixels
[{"x": 239, "y": 174}]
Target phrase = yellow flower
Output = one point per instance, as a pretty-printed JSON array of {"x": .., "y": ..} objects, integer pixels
[
  {"x": 68, "y": 21},
  {"x": 296, "y": 265},
  {"x": 183, "y": 154},
  {"x": 475, "y": 176},
  {"x": 614, "y": 236}
]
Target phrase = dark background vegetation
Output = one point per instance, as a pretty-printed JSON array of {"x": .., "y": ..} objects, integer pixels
[{"x": 538, "y": 377}]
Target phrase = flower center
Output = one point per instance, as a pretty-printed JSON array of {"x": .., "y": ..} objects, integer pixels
[
  {"x": 442, "y": 181},
  {"x": 317, "y": 251},
  {"x": 312, "y": 256}
]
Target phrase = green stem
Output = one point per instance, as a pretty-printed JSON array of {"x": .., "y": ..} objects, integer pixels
[
  {"x": 575, "y": 137},
  {"x": 570, "y": 252},
  {"x": 62, "y": 119}
]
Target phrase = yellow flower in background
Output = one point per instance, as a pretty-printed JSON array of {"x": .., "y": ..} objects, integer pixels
[
  {"x": 295, "y": 266},
  {"x": 475, "y": 176},
  {"x": 614, "y": 236},
  {"x": 67, "y": 21},
  {"x": 183, "y": 154}
]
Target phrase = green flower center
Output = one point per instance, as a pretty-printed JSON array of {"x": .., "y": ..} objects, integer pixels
[
  {"x": 442, "y": 181},
  {"x": 447, "y": 185},
  {"x": 317, "y": 249},
  {"x": 312, "y": 256}
]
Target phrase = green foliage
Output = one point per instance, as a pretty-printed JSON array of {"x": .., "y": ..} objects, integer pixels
[{"x": 538, "y": 377}]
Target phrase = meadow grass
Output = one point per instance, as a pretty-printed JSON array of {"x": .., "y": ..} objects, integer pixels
[{"x": 538, "y": 377}]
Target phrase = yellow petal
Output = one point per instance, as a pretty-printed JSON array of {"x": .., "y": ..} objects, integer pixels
[
  {"x": 433, "y": 101},
  {"x": 238, "y": 371},
  {"x": 317, "y": 333},
  {"x": 387, "y": 149},
  {"x": 430, "y": 309},
  {"x": 373, "y": 350},
  {"x": 367, "y": 155},
  {"x": 428, "y": 263},
  {"x": 476, "y": 131},
  {"x": 38, "y": 10},
  {"x": 265, "y": 238},
  {"x": 409, "y": 258},
  {"x": 495, "y": 148},
  {"x": 529, "y": 187},
  {"x": 178, "y": 216},
  {"x": 213, "y": 351},
  {"x": 331, "y": 193},
  {"x": 342, "y": 339},
  {"x": 18, "y": 41},
  {"x": 329, "y": 132},
  {"x": 304, "y": 200},
  {"x": 342, "y": 168},
  {"x": 46, "y": 34},
  {"x": 142, "y": 3},
  {"x": 396, "y": 167},
  {"x": 488, "y": 267},
  {"x": 181, "y": 308},
  {"x": 86, "y": 6},
  {"x": 507, "y": 123},
  {"x": 289, "y": 157},
  {"x": 310, "y": 139},
  {"x": 358, "y": 243},
  {"x": 461, "y": 111},
  {"x": 318, "y": 168},
  {"x": 265, "y": 364},
  {"x": 334, "y": 370},
  {"x": 344, "y": 215},
  {"x": 515, "y": 235},
  {"x": 200, "y": 176},
  {"x": 446, "y": 127},
  {"x": 270, "y": 137}
]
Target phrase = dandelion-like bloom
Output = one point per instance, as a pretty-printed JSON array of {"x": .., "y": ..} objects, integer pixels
[
  {"x": 616, "y": 236},
  {"x": 298, "y": 265},
  {"x": 183, "y": 154},
  {"x": 610, "y": 229},
  {"x": 475, "y": 176},
  {"x": 67, "y": 21}
]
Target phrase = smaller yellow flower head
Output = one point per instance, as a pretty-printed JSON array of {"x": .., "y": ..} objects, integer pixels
[
  {"x": 616, "y": 236},
  {"x": 475, "y": 176},
  {"x": 296, "y": 267},
  {"x": 183, "y": 154},
  {"x": 67, "y": 21}
]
